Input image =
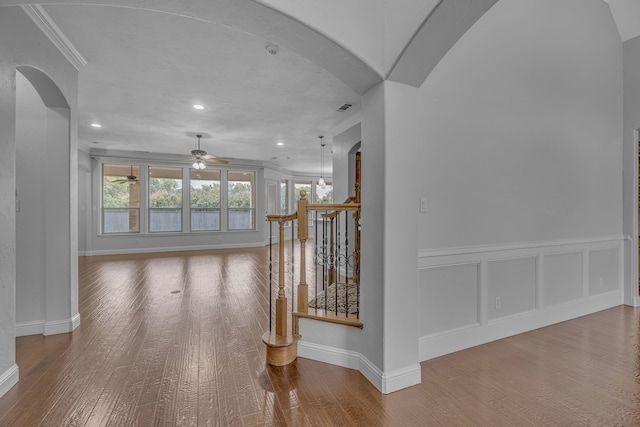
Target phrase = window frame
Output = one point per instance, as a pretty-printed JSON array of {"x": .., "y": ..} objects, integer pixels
[
  {"x": 151, "y": 209},
  {"x": 132, "y": 208},
  {"x": 144, "y": 209},
  {"x": 252, "y": 199},
  {"x": 213, "y": 208}
]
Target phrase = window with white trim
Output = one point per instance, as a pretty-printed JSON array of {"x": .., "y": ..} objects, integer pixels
[
  {"x": 165, "y": 199},
  {"x": 120, "y": 199},
  {"x": 241, "y": 200},
  {"x": 204, "y": 199}
]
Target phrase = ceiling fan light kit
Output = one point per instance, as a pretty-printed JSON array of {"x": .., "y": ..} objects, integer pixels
[
  {"x": 199, "y": 156},
  {"x": 199, "y": 164}
]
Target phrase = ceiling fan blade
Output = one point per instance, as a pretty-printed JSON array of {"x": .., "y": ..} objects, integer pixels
[{"x": 216, "y": 160}]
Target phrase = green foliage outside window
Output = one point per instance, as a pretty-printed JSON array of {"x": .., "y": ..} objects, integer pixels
[
  {"x": 114, "y": 194},
  {"x": 206, "y": 196},
  {"x": 165, "y": 193},
  {"x": 239, "y": 194}
]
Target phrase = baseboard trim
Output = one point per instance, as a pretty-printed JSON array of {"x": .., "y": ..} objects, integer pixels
[
  {"x": 636, "y": 301},
  {"x": 35, "y": 327},
  {"x": 385, "y": 382},
  {"x": 63, "y": 326},
  {"x": 8, "y": 379},
  {"x": 332, "y": 355},
  {"x": 436, "y": 345},
  {"x": 126, "y": 251}
]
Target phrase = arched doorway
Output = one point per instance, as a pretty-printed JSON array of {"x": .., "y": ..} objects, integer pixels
[{"x": 46, "y": 254}]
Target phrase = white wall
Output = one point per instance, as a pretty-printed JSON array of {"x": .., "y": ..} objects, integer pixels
[
  {"x": 343, "y": 172},
  {"x": 85, "y": 223},
  {"x": 531, "y": 122},
  {"x": 520, "y": 161},
  {"x": 30, "y": 219},
  {"x": 630, "y": 166},
  {"x": 23, "y": 44}
]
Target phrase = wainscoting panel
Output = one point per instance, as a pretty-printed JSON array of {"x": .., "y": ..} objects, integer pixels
[
  {"x": 603, "y": 271},
  {"x": 562, "y": 278},
  {"x": 511, "y": 287},
  {"x": 472, "y": 295},
  {"x": 448, "y": 298}
]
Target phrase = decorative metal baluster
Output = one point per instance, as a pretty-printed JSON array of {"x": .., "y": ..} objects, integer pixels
[
  {"x": 346, "y": 262},
  {"x": 315, "y": 266},
  {"x": 270, "y": 274},
  {"x": 335, "y": 253},
  {"x": 324, "y": 264},
  {"x": 356, "y": 261}
]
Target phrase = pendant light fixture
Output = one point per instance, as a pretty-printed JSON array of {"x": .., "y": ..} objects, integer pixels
[{"x": 321, "y": 181}]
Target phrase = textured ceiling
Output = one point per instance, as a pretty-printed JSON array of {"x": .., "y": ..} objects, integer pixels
[{"x": 146, "y": 69}]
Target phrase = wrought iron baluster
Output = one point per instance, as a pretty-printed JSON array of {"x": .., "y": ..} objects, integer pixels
[{"x": 270, "y": 273}]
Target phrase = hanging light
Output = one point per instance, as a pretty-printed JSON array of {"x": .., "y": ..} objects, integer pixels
[
  {"x": 321, "y": 181},
  {"x": 199, "y": 164}
]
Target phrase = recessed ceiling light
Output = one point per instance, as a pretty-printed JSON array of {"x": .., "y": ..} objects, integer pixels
[
  {"x": 280, "y": 143},
  {"x": 96, "y": 125},
  {"x": 198, "y": 107}
]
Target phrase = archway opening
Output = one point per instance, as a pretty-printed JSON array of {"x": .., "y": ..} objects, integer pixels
[{"x": 46, "y": 295}]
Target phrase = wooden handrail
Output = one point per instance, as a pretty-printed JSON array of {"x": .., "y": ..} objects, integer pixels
[
  {"x": 282, "y": 218},
  {"x": 334, "y": 207}
]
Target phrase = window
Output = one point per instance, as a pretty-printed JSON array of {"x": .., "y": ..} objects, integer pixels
[
  {"x": 324, "y": 193},
  {"x": 240, "y": 200},
  {"x": 302, "y": 185},
  {"x": 180, "y": 199},
  {"x": 306, "y": 186},
  {"x": 165, "y": 199},
  {"x": 284, "y": 197},
  {"x": 120, "y": 199},
  {"x": 204, "y": 199}
]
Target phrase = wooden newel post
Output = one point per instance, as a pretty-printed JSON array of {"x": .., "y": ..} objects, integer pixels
[
  {"x": 303, "y": 235},
  {"x": 282, "y": 347},
  {"x": 281, "y": 301}
]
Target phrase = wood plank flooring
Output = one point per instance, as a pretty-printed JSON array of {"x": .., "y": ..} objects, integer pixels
[{"x": 146, "y": 355}]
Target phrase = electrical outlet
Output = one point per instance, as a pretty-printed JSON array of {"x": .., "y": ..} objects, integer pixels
[
  {"x": 423, "y": 205},
  {"x": 498, "y": 303}
]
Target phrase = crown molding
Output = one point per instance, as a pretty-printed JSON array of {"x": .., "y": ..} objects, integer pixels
[{"x": 41, "y": 18}]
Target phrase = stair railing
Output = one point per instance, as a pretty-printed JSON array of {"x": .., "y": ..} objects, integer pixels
[{"x": 335, "y": 267}]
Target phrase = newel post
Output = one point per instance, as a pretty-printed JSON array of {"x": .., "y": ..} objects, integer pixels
[
  {"x": 281, "y": 301},
  {"x": 303, "y": 235}
]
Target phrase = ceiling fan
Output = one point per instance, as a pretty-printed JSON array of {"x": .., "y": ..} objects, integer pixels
[
  {"x": 130, "y": 179},
  {"x": 199, "y": 157}
]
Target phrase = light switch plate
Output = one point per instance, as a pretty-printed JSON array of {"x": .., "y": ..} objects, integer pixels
[{"x": 423, "y": 205}]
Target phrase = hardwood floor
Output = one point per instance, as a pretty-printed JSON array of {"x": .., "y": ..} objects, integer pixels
[{"x": 145, "y": 354}]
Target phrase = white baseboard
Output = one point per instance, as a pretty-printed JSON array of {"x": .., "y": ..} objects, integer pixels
[
  {"x": 35, "y": 327},
  {"x": 8, "y": 379},
  {"x": 436, "y": 345},
  {"x": 385, "y": 382},
  {"x": 61, "y": 326},
  {"x": 41, "y": 327},
  {"x": 636, "y": 301},
  {"x": 332, "y": 355},
  {"x": 125, "y": 251}
]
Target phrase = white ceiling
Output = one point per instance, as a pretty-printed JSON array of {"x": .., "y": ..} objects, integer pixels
[{"x": 145, "y": 70}]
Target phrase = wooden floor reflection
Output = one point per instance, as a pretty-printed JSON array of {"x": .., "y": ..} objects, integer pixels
[{"x": 174, "y": 339}]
